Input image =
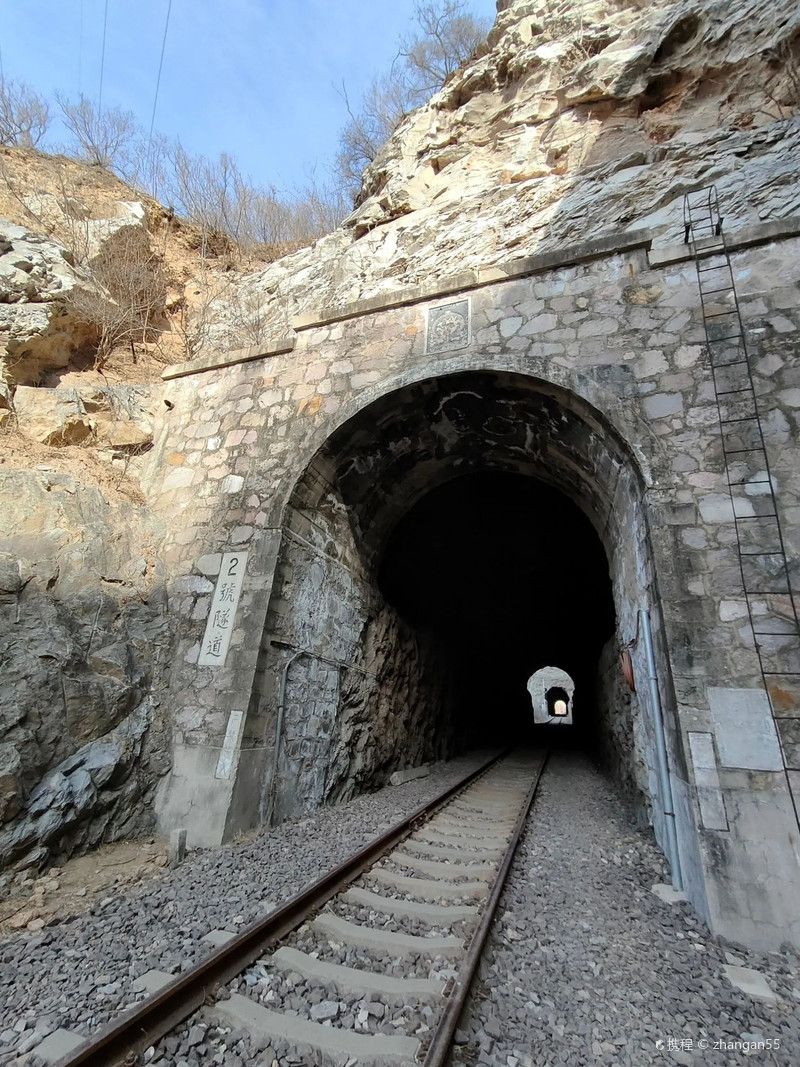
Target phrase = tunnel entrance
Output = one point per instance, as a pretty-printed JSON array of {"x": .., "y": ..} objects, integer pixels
[
  {"x": 448, "y": 540},
  {"x": 509, "y": 575}
]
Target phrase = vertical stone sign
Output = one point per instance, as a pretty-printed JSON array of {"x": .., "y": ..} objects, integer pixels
[{"x": 219, "y": 625}]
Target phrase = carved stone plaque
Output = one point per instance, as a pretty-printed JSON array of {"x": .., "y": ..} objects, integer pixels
[
  {"x": 219, "y": 626},
  {"x": 448, "y": 327}
]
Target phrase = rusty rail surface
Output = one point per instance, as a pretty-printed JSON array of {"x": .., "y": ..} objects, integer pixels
[{"x": 123, "y": 1041}]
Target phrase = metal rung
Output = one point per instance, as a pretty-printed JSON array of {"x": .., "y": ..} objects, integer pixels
[
  {"x": 737, "y": 451},
  {"x": 742, "y": 418},
  {"x": 732, "y": 363},
  {"x": 765, "y": 592},
  {"x": 776, "y": 633},
  {"x": 720, "y": 266},
  {"x": 781, "y": 674},
  {"x": 719, "y": 314},
  {"x": 771, "y": 515},
  {"x": 754, "y": 481},
  {"x": 731, "y": 392},
  {"x": 724, "y": 289}
]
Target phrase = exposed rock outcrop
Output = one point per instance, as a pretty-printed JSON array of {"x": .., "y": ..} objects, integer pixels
[
  {"x": 577, "y": 119},
  {"x": 83, "y": 639},
  {"x": 37, "y": 279}
]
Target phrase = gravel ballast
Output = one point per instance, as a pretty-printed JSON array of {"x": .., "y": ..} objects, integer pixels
[
  {"x": 79, "y": 974},
  {"x": 587, "y": 966}
]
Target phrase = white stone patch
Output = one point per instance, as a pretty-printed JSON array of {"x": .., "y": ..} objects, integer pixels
[
  {"x": 508, "y": 327},
  {"x": 744, "y": 729},
  {"x": 749, "y": 981},
  {"x": 232, "y": 483},
  {"x": 732, "y": 609},
  {"x": 716, "y": 508},
  {"x": 706, "y": 777},
  {"x": 210, "y": 564},
  {"x": 760, "y": 483},
  {"x": 230, "y": 746},
  {"x": 223, "y": 610},
  {"x": 667, "y": 893}
]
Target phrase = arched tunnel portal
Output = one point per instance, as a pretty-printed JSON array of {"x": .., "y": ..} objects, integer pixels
[{"x": 444, "y": 543}]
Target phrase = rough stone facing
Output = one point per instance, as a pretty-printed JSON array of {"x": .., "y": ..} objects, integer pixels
[{"x": 652, "y": 479}]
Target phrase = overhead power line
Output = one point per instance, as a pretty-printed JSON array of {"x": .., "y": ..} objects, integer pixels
[
  {"x": 160, "y": 66},
  {"x": 102, "y": 60}
]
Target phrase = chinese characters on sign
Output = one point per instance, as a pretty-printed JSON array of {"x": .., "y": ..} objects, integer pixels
[{"x": 219, "y": 626}]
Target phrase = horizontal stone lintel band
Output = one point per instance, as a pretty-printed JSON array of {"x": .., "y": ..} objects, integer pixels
[
  {"x": 570, "y": 255},
  {"x": 758, "y": 234},
  {"x": 230, "y": 358},
  {"x": 477, "y": 279}
]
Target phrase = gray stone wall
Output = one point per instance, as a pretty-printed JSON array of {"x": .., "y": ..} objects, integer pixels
[
  {"x": 621, "y": 746},
  {"x": 625, "y": 423},
  {"x": 364, "y": 698}
]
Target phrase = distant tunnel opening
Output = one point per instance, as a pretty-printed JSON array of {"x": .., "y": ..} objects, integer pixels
[{"x": 507, "y": 575}]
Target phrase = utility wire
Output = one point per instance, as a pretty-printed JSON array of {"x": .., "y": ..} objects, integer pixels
[
  {"x": 102, "y": 60},
  {"x": 160, "y": 65},
  {"x": 80, "y": 50}
]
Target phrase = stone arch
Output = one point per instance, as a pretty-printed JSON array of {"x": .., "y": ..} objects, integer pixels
[
  {"x": 351, "y": 486},
  {"x": 622, "y": 421}
]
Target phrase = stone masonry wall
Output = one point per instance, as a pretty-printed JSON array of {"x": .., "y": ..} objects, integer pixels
[{"x": 623, "y": 332}]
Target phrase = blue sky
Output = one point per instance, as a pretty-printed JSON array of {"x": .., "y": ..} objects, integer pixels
[{"x": 255, "y": 78}]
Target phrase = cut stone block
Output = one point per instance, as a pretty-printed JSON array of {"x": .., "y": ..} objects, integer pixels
[
  {"x": 667, "y": 893},
  {"x": 152, "y": 981},
  {"x": 218, "y": 938},
  {"x": 241, "y": 1013},
  {"x": 749, "y": 981},
  {"x": 410, "y": 774},
  {"x": 385, "y": 941},
  {"x": 58, "y": 1045}
]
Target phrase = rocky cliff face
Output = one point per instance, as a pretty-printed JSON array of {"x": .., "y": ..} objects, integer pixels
[
  {"x": 83, "y": 639},
  {"x": 579, "y": 119}
]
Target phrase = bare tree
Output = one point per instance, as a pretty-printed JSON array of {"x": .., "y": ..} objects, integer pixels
[
  {"x": 104, "y": 137},
  {"x": 24, "y": 115},
  {"x": 448, "y": 34},
  {"x": 127, "y": 305},
  {"x": 383, "y": 107}
]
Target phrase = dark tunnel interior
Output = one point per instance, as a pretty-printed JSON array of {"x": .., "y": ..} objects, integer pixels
[{"x": 507, "y": 575}]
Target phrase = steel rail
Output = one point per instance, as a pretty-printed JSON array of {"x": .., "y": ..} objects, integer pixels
[
  {"x": 121, "y": 1042},
  {"x": 438, "y": 1051}
]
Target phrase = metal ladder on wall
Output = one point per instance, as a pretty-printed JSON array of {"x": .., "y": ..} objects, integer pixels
[{"x": 766, "y": 579}]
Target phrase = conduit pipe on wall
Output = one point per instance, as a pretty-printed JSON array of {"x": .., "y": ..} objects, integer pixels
[
  {"x": 279, "y": 730},
  {"x": 298, "y": 654},
  {"x": 662, "y": 766}
]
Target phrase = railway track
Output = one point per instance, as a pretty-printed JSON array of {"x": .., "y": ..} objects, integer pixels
[{"x": 370, "y": 965}]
